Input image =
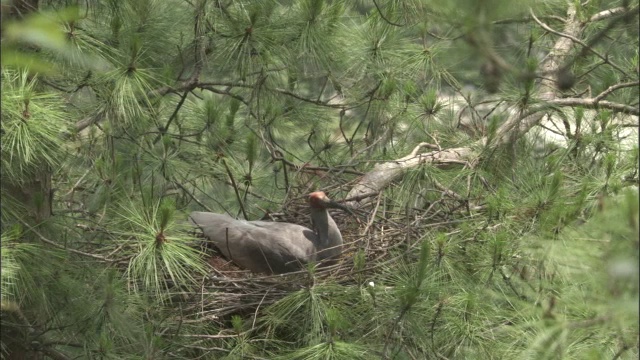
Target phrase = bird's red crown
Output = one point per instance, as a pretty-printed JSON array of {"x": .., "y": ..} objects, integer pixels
[{"x": 317, "y": 199}]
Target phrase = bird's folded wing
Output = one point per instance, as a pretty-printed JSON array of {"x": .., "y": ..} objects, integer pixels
[{"x": 259, "y": 246}]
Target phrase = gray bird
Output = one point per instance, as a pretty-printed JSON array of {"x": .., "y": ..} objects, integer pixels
[{"x": 275, "y": 247}]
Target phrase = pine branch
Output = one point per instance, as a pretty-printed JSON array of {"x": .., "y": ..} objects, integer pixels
[
  {"x": 384, "y": 17},
  {"x": 586, "y": 47},
  {"x": 514, "y": 127},
  {"x": 595, "y": 103},
  {"x": 53, "y": 243},
  {"x": 383, "y": 174},
  {"x": 613, "y": 88}
]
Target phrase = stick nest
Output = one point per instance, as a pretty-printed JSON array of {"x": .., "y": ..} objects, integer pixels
[{"x": 383, "y": 236}]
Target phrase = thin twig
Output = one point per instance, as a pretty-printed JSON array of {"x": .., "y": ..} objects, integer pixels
[
  {"x": 384, "y": 17},
  {"x": 255, "y": 314},
  {"x": 45, "y": 240},
  {"x": 235, "y": 189},
  {"x": 173, "y": 116},
  {"x": 73, "y": 188},
  {"x": 577, "y": 41},
  {"x": 613, "y": 88},
  {"x": 373, "y": 217}
]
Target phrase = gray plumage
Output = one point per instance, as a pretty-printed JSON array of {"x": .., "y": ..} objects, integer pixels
[{"x": 274, "y": 247}]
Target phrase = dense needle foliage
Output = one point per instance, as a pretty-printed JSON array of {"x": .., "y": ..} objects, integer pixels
[{"x": 121, "y": 117}]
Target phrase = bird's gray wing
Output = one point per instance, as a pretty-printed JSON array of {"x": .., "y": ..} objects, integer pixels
[{"x": 259, "y": 246}]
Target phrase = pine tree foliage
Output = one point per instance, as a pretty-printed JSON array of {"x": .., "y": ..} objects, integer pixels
[{"x": 121, "y": 117}]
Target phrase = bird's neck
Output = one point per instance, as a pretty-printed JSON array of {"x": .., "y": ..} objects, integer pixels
[{"x": 328, "y": 234}]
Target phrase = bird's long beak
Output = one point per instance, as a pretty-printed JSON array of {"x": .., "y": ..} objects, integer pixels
[{"x": 335, "y": 205}]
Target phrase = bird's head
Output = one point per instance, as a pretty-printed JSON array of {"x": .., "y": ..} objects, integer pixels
[{"x": 319, "y": 200}]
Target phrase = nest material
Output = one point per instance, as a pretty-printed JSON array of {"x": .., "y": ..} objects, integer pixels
[{"x": 230, "y": 290}]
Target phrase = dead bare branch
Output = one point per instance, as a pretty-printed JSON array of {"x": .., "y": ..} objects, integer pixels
[
  {"x": 383, "y": 174},
  {"x": 594, "y": 103},
  {"x": 605, "y": 14},
  {"x": 613, "y": 88}
]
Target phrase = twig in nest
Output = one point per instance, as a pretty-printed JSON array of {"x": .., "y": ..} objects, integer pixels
[{"x": 373, "y": 217}]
